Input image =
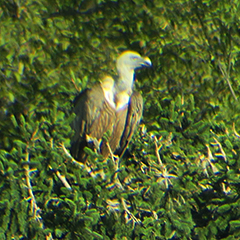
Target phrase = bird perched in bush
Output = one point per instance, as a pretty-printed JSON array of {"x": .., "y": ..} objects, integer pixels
[{"x": 109, "y": 106}]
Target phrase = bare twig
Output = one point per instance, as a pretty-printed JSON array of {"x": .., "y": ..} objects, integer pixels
[
  {"x": 116, "y": 167},
  {"x": 157, "y": 148},
  {"x": 89, "y": 170},
  {"x": 70, "y": 156},
  {"x": 223, "y": 154},
  {"x": 49, "y": 237},
  {"x": 226, "y": 74},
  {"x": 62, "y": 178},
  {"x": 235, "y": 132},
  {"x": 115, "y": 163},
  {"x": 129, "y": 214},
  {"x": 210, "y": 158},
  {"x": 35, "y": 209}
]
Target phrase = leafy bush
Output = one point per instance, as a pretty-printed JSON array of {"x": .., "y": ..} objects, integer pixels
[{"x": 181, "y": 180}]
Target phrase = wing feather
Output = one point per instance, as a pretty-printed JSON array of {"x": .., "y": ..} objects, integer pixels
[
  {"x": 134, "y": 115},
  {"x": 94, "y": 116}
]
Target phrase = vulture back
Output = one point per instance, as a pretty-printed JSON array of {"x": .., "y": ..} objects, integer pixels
[{"x": 94, "y": 116}]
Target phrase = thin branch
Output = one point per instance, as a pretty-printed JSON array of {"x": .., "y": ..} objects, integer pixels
[
  {"x": 89, "y": 170},
  {"x": 49, "y": 237},
  {"x": 235, "y": 132},
  {"x": 223, "y": 154},
  {"x": 226, "y": 76},
  {"x": 132, "y": 217},
  {"x": 112, "y": 157},
  {"x": 157, "y": 148},
  {"x": 34, "y": 206},
  {"x": 70, "y": 156},
  {"x": 62, "y": 178},
  {"x": 116, "y": 167},
  {"x": 75, "y": 85}
]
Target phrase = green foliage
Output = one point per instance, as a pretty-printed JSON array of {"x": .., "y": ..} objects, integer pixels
[{"x": 182, "y": 178}]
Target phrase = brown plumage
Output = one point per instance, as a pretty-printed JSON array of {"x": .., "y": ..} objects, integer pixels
[
  {"x": 109, "y": 106},
  {"x": 134, "y": 115},
  {"x": 95, "y": 115},
  {"x": 121, "y": 101}
]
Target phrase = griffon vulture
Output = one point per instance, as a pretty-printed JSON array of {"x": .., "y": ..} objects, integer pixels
[{"x": 109, "y": 107}]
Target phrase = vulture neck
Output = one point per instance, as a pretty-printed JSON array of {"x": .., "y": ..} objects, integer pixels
[{"x": 125, "y": 80}]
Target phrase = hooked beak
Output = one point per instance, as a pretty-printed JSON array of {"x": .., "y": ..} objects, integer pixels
[{"x": 146, "y": 62}]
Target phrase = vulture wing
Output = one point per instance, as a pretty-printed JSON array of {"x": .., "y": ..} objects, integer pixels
[
  {"x": 95, "y": 115},
  {"x": 134, "y": 115}
]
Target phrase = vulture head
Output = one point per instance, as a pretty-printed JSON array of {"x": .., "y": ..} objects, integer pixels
[
  {"x": 132, "y": 60},
  {"x": 127, "y": 62}
]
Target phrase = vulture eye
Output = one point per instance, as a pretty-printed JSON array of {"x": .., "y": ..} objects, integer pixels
[{"x": 134, "y": 58}]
